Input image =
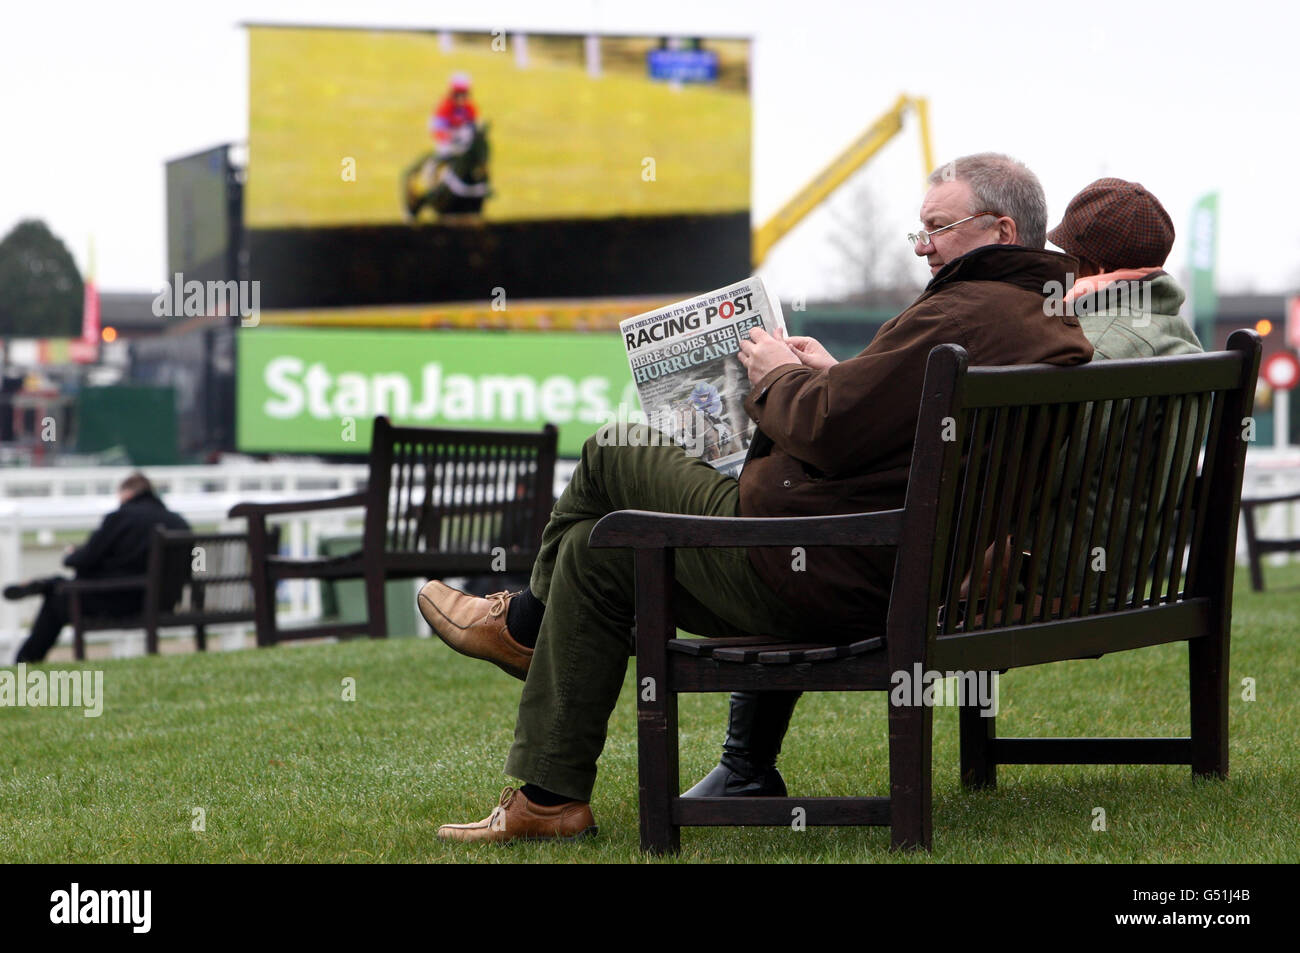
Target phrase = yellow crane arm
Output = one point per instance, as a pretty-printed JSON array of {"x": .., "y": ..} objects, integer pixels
[{"x": 858, "y": 153}]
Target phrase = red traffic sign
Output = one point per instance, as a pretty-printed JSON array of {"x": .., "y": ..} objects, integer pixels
[{"x": 1282, "y": 371}]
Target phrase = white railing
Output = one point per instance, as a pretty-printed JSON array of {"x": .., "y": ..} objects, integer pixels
[
  {"x": 296, "y": 479},
  {"x": 302, "y": 534},
  {"x": 53, "y": 499},
  {"x": 77, "y": 499}
]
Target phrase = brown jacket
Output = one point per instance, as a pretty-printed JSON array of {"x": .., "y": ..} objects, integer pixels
[{"x": 842, "y": 437}]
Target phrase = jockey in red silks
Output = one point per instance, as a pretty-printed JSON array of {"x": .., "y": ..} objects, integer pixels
[{"x": 452, "y": 122}]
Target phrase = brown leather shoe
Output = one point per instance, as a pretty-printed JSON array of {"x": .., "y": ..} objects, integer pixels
[
  {"x": 517, "y": 818},
  {"x": 474, "y": 627}
]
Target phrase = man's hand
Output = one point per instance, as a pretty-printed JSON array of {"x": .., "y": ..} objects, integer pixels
[
  {"x": 763, "y": 353},
  {"x": 811, "y": 353}
]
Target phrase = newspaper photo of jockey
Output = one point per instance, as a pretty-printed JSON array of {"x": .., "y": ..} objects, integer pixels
[
  {"x": 452, "y": 179},
  {"x": 707, "y": 402},
  {"x": 699, "y": 420}
]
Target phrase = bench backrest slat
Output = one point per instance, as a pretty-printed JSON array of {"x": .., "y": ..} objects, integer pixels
[
  {"x": 208, "y": 573},
  {"x": 458, "y": 491},
  {"x": 1039, "y": 494}
]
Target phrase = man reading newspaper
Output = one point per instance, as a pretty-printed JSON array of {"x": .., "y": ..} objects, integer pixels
[{"x": 839, "y": 440}]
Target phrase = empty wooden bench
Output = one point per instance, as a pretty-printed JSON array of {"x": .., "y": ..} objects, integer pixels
[
  {"x": 1031, "y": 443},
  {"x": 437, "y": 502},
  {"x": 191, "y": 579},
  {"x": 1257, "y": 548}
]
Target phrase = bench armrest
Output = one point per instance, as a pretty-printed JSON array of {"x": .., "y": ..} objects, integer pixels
[
  {"x": 298, "y": 506},
  {"x": 640, "y": 529},
  {"x": 74, "y": 589},
  {"x": 122, "y": 583},
  {"x": 1248, "y": 502}
]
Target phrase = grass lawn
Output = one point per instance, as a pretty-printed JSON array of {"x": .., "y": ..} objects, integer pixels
[{"x": 287, "y": 771}]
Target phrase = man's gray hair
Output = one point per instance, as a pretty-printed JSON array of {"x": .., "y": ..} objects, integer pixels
[{"x": 1001, "y": 184}]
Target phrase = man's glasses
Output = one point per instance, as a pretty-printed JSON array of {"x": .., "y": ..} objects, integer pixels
[{"x": 924, "y": 236}]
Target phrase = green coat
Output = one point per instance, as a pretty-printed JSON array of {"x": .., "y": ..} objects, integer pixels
[{"x": 1124, "y": 331}]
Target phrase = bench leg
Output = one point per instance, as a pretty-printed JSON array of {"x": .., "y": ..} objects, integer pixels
[
  {"x": 1252, "y": 548},
  {"x": 656, "y": 705},
  {"x": 910, "y": 736},
  {"x": 657, "y": 756},
  {"x": 264, "y": 610},
  {"x": 78, "y": 627},
  {"x": 376, "y": 607},
  {"x": 198, "y": 599},
  {"x": 151, "y": 628},
  {"x": 1208, "y": 670},
  {"x": 259, "y": 545},
  {"x": 978, "y": 769}
]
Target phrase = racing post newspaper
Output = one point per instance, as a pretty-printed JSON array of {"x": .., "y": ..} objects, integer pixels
[{"x": 686, "y": 366}]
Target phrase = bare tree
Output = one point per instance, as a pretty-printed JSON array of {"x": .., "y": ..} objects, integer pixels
[{"x": 878, "y": 267}]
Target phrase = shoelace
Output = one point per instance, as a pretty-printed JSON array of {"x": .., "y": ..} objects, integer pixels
[
  {"x": 497, "y": 819},
  {"x": 499, "y": 603}
]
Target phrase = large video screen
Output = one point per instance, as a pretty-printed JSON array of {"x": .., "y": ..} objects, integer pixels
[
  {"x": 199, "y": 205},
  {"x": 397, "y": 166}
]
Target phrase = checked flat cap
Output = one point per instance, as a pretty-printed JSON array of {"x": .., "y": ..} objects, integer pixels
[{"x": 1115, "y": 224}]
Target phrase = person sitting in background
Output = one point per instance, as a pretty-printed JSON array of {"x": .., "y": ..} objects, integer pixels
[
  {"x": 1126, "y": 303},
  {"x": 120, "y": 547}
]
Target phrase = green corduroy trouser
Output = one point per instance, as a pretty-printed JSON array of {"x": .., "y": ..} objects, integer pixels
[{"x": 586, "y": 633}]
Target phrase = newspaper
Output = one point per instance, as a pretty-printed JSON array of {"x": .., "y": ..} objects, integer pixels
[{"x": 686, "y": 367}]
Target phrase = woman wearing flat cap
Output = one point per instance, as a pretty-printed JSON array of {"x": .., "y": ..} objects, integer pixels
[{"x": 1126, "y": 303}]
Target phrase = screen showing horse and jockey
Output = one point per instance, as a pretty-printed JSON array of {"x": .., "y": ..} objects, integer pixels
[
  {"x": 506, "y": 125},
  {"x": 389, "y": 166}
]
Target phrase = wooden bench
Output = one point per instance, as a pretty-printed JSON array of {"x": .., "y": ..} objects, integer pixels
[
  {"x": 1256, "y": 548},
  {"x": 1031, "y": 442},
  {"x": 191, "y": 579},
  {"x": 437, "y": 503}
]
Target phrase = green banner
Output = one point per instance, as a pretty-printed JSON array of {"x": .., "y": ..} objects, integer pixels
[
  {"x": 317, "y": 391},
  {"x": 1201, "y": 259}
]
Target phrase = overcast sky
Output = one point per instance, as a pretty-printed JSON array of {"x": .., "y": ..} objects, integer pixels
[{"x": 1185, "y": 98}]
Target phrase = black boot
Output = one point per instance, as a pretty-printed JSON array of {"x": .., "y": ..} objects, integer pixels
[
  {"x": 755, "y": 729},
  {"x": 33, "y": 587}
]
